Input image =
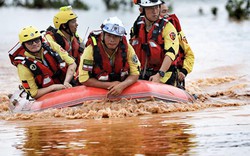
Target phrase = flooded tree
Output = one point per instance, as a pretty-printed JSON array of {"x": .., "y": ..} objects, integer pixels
[
  {"x": 238, "y": 9},
  {"x": 1, "y": 3},
  {"x": 214, "y": 11},
  {"x": 116, "y": 4},
  {"x": 47, "y": 3}
]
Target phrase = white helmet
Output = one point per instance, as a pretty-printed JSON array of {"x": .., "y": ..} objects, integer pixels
[
  {"x": 149, "y": 3},
  {"x": 113, "y": 25}
]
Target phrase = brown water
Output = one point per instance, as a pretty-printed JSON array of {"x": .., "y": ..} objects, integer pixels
[
  {"x": 213, "y": 131},
  {"x": 217, "y": 123}
]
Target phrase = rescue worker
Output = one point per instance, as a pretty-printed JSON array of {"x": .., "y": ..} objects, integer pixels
[
  {"x": 164, "y": 9},
  {"x": 65, "y": 32},
  {"x": 155, "y": 42},
  {"x": 108, "y": 61},
  {"x": 184, "y": 61},
  {"x": 42, "y": 67}
]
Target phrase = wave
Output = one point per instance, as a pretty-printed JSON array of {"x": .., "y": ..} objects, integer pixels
[{"x": 210, "y": 92}]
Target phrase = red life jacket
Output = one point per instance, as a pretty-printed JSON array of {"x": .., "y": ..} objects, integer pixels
[
  {"x": 178, "y": 62},
  {"x": 51, "y": 71},
  {"x": 74, "y": 49},
  {"x": 149, "y": 47},
  {"x": 102, "y": 68}
]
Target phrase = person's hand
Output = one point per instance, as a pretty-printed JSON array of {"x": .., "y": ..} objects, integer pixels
[
  {"x": 155, "y": 78},
  {"x": 115, "y": 89},
  {"x": 58, "y": 87},
  {"x": 67, "y": 84},
  {"x": 181, "y": 76}
]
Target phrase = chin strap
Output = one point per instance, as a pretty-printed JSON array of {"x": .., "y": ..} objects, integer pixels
[
  {"x": 67, "y": 29},
  {"x": 105, "y": 43},
  {"x": 144, "y": 13}
]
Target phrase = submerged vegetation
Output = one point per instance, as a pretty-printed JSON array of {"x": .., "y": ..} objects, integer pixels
[
  {"x": 117, "y": 4},
  {"x": 49, "y": 4},
  {"x": 78, "y": 4},
  {"x": 238, "y": 9}
]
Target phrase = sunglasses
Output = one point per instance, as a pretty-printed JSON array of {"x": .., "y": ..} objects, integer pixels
[{"x": 36, "y": 40}]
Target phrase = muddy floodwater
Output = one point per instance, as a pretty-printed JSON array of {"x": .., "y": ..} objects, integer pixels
[{"x": 217, "y": 123}]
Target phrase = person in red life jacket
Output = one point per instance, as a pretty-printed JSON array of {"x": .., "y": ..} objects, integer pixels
[
  {"x": 164, "y": 9},
  {"x": 65, "y": 32},
  {"x": 42, "y": 67},
  {"x": 108, "y": 61},
  {"x": 184, "y": 61},
  {"x": 155, "y": 42}
]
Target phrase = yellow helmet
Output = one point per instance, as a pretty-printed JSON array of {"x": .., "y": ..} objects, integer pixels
[
  {"x": 29, "y": 33},
  {"x": 63, "y": 16}
]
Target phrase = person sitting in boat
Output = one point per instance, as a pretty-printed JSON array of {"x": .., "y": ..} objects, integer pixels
[
  {"x": 65, "y": 32},
  {"x": 42, "y": 67},
  {"x": 108, "y": 61},
  {"x": 184, "y": 61},
  {"x": 155, "y": 42}
]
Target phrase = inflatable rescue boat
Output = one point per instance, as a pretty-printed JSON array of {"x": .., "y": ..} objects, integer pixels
[{"x": 75, "y": 96}]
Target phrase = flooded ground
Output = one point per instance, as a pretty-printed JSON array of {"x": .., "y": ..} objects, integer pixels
[
  {"x": 213, "y": 131},
  {"x": 217, "y": 123}
]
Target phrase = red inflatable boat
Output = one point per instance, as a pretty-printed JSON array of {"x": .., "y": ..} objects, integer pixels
[{"x": 77, "y": 95}]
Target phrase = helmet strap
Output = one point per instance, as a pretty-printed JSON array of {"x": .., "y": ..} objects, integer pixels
[
  {"x": 65, "y": 28},
  {"x": 106, "y": 47},
  {"x": 143, "y": 12},
  {"x": 146, "y": 16},
  {"x": 103, "y": 36}
]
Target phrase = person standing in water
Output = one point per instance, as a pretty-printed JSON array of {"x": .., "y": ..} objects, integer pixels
[
  {"x": 184, "y": 61},
  {"x": 155, "y": 42}
]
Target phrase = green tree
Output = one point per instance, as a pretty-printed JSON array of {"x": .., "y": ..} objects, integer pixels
[
  {"x": 116, "y": 4},
  {"x": 1, "y": 3},
  {"x": 238, "y": 9}
]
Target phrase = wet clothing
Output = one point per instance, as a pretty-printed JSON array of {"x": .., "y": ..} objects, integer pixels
[
  {"x": 36, "y": 73},
  {"x": 185, "y": 57},
  {"x": 188, "y": 60},
  {"x": 74, "y": 47},
  {"x": 96, "y": 63},
  {"x": 151, "y": 47}
]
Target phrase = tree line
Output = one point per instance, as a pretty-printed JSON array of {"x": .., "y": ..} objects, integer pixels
[
  {"x": 237, "y": 9},
  {"x": 77, "y": 4}
]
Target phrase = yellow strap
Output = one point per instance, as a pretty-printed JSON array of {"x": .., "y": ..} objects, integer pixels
[{"x": 94, "y": 40}]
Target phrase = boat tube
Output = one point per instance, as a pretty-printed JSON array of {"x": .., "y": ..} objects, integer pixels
[{"x": 78, "y": 95}]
